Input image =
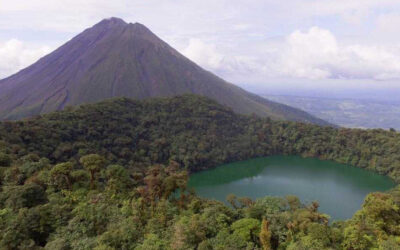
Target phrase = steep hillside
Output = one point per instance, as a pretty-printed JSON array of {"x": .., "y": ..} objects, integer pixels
[
  {"x": 195, "y": 131},
  {"x": 117, "y": 59}
]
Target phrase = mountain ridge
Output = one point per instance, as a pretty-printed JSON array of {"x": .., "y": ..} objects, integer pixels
[{"x": 114, "y": 58}]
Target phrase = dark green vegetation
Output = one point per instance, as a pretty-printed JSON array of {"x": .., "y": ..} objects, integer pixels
[
  {"x": 104, "y": 176},
  {"x": 340, "y": 189},
  {"x": 116, "y": 59}
]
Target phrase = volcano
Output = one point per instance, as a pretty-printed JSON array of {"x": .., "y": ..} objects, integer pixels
[{"x": 118, "y": 59}]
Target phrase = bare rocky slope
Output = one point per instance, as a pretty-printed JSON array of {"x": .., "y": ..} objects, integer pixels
[{"x": 117, "y": 59}]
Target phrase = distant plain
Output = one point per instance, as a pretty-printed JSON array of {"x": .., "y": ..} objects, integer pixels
[{"x": 347, "y": 112}]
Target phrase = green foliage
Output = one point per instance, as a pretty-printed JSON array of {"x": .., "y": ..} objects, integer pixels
[
  {"x": 5, "y": 160},
  {"x": 59, "y": 193},
  {"x": 61, "y": 174},
  {"x": 246, "y": 229},
  {"x": 118, "y": 179},
  {"x": 265, "y": 235},
  {"x": 194, "y": 131},
  {"x": 152, "y": 242},
  {"x": 374, "y": 224},
  {"x": 16, "y": 197},
  {"x": 93, "y": 163}
]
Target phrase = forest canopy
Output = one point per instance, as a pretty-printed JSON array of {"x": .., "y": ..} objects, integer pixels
[{"x": 107, "y": 175}]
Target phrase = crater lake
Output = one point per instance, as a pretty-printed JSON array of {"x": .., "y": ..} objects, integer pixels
[{"x": 340, "y": 189}]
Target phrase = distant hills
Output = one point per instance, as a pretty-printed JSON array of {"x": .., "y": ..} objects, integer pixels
[{"x": 117, "y": 59}]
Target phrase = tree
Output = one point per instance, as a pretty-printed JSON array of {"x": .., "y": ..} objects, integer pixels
[
  {"x": 265, "y": 235},
  {"x": 62, "y": 173},
  {"x": 245, "y": 202},
  {"x": 247, "y": 229},
  {"x": 93, "y": 164},
  {"x": 375, "y": 222},
  {"x": 117, "y": 178},
  {"x": 231, "y": 198},
  {"x": 293, "y": 201}
]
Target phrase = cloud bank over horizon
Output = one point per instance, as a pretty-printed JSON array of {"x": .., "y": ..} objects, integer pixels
[
  {"x": 313, "y": 54},
  {"x": 254, "y": 42}
]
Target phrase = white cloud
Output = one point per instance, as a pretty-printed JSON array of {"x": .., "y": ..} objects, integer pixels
[
  {"x": 387, "y": 27},
  {"x": 204, "y": 54},
  {"x": 316, "y": 54},
  {"x": 208, "y": 56},
  {"x": 16, "y": 55},
  {"x": 307, "y": 54},
  {"x": 240, "y": 27}
]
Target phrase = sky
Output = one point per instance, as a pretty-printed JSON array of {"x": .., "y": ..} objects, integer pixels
[{"x": 261, "y": 45}]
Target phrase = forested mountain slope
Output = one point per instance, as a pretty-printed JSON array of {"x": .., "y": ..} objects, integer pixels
[{"x": 192, "y": 130}]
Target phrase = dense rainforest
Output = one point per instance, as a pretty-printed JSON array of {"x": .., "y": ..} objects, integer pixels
[{"x": 113, "y": 175}]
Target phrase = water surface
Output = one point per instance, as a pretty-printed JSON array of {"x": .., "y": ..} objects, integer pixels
[{"x": 339, "y": 189}]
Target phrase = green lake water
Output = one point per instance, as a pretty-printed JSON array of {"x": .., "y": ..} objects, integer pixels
[{"x": 339, "y": 189}]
